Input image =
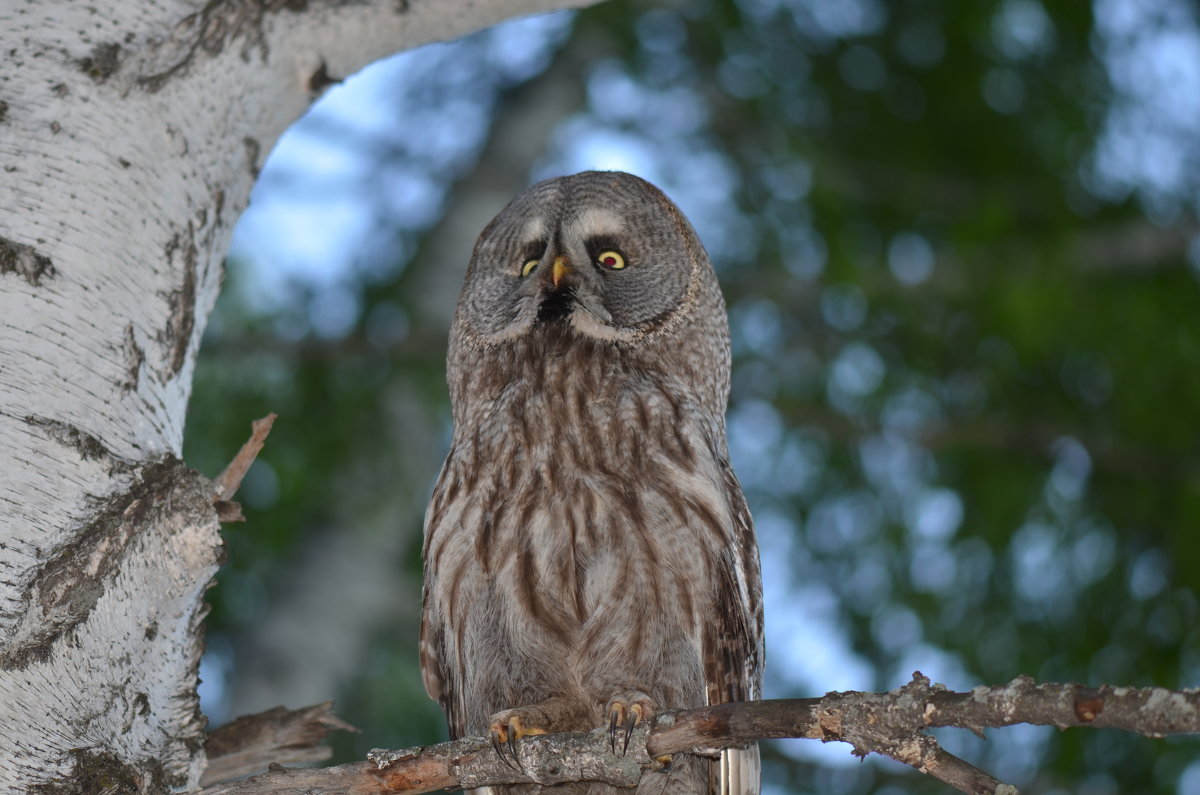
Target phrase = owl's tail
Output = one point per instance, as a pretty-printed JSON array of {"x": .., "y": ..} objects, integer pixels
[{"x": 740, "y": 771}]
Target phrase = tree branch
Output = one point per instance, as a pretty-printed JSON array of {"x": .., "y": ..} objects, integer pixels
[
  {"x": 893, "y": 724},
  {"x": 253, "y": 742},
  {"x": 230, "y": 480}
]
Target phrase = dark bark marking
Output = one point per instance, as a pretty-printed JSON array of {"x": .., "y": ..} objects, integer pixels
[
  {"x": 104, "y": 60},
  {"x": 89, "y": 447},
  {"x": 134, "y": 358},
  {"x": 253, "y": 150},
  {"x": 179, "y": 140},
  {"x": 178, "y": 332},
  {"x": 218, "y": 24},
  {"x": 3, "y": 111},
  {"x": 320, "y": 80},
  {"x": 25, "y": 261},
  {"x": 104, "y": 771},
  {"x": 70, "y": 583}
]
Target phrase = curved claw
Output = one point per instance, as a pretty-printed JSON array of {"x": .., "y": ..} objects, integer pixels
[
  {"x": 631, "y": 720},
  {"x": 498, "y": 744},
  {"x": 512, "y": 744},
  {"x": 627, "y": 720},
  {"x": 508, "y": 729},
  {"x": 615, "y": 719},
  {"x": 626, "y": 711}
]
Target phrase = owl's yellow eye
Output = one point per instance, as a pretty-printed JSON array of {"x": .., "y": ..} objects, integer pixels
[
  {"x": 529, "y": 266},
  {"x": 610, "y": 259}
]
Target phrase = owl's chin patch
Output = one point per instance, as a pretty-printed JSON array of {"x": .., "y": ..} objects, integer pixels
[
  {"x": 556, "y": 306},
  {"x": 564, "y": 309}
]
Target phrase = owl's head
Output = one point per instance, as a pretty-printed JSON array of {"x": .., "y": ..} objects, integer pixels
[{"x": 604, "y": 254}]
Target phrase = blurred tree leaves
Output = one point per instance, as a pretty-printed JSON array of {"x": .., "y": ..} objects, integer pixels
[{"x": 967, "y": 373}]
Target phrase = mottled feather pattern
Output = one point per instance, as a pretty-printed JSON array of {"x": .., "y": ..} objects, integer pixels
[{"x": 587, "y": 535}]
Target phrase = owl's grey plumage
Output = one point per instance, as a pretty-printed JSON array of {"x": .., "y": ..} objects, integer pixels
[{"x": 589, "y": 557}]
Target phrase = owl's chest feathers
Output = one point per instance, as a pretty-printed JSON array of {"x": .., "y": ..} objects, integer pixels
[
  {"x": 585, "y": 415},
  {"x": 585, "y": 486}
]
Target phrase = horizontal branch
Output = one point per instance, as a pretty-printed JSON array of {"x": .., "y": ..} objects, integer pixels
[
  {"x": 1150, "y": 711},
  {"x": 893, "y": 724}
]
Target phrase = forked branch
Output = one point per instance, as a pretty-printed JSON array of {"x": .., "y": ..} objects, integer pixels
[{"x": 892, "y": 724}]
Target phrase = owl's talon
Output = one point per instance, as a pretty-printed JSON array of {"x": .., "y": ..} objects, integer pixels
[
  {"x": 512, "y": 746},
  {"x": 502, "y": 739},
  {"x": 614, "y": 718},
  {"x": 631, "y": 720},
  {"x": 498, "y": 744},
  {"x": 507, "y": 728},
  {"x": 627, "y": 710}
]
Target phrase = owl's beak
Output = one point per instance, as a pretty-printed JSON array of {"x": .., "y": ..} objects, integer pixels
[{"x": 559, "y": 271}]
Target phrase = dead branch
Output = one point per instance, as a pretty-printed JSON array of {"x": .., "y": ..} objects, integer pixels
[
  {"x": 230, "y": 480},
  {"x": 254, "y": 742},
  {"x": 892, "y": 724}
]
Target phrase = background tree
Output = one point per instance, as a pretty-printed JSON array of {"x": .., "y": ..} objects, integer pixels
[{"x": 957, "y": 244}]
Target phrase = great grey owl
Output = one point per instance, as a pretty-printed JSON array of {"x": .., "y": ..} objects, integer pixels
[{"x": 589, "y": 557}]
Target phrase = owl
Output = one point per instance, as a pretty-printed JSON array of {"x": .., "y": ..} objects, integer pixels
[{"x": 589, "y": 557}]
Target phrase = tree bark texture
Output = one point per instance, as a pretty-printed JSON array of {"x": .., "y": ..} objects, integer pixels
[{"x": 130, "y": 135}]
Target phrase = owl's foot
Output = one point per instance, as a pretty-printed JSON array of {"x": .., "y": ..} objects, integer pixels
[
  {"x": 627, "y": 711},
  {"x": 510, "y": 726}
]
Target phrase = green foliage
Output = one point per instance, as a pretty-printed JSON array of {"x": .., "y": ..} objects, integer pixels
[{"x": 935, "y": 309}]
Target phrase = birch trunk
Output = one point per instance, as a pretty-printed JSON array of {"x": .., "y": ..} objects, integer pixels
[{"x": 130, "y": 134}]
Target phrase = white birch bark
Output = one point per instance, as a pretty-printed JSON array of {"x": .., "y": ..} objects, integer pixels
[{"x": 130, "y": 134}]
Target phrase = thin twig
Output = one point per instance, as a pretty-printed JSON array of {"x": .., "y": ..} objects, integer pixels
[{"x": 230, "y": 480}]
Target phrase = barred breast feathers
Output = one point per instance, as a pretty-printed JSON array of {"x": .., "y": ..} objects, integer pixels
[{"x": 570, "y": 477}]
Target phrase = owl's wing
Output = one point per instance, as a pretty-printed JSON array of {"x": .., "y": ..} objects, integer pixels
[
  {"x": 438, "y": 678},
  {"x": 733, "y": 643}
]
